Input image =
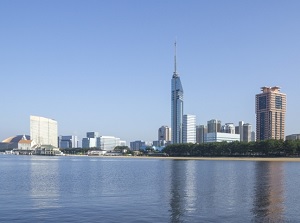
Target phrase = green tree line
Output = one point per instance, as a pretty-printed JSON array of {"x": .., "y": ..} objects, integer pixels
[{"x": 266, "y": 148}]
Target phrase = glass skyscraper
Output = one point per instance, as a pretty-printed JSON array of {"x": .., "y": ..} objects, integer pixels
[{"x": 176, "y": 106}]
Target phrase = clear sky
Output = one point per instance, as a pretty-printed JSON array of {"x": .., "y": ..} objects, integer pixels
[{"x": 107, "y": 65}]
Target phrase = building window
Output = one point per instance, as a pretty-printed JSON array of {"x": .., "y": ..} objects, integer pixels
[
  {"x": 278, "y": 102},
  {"x": 262, "y": 126},
  {"x": 262, "y": 102}
]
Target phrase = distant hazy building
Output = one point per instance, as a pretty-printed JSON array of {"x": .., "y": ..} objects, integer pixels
[
  {"x": 228, "y": 128},
  {"x": 201, "y": 130},
  {"x": 43, "y": 131},
  {"x": 137, "y": 145},
  {"x": 247, "y": 129},
  {"x": 66, "y": 142},
  {"x": 189, "y": 129},
  {"x": 293, "y": 137},
  {"x": 92, "y": 134},
  {"x": 176, "y": 106},
  {"x": 241, "y": 132},
  {"x": 270, "y": 114},
  {"x": 164, "y": 133},
  {"x": 221, "y": 137},
  {"x": 108, "y": 143},
  {"x": 253, "y": 136},
  {"x": 213, "y": 125},
  {"x": 89, "y": 142}
]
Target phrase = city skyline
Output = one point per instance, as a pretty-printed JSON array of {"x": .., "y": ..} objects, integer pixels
[{"x": 105, "y": 66}]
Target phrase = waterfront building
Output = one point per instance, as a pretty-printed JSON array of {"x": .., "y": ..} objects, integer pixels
[
  {"x": 43, "y": 131},
  {"x": 247, "y": 129},
  {"x": 137, "y": 145},
  {"x": 25, "y": 144},
  {"x": 201, "y": 130},
  {"x": 270, "y": 113},
  {"x": 176, "y": 105},
  {"x": 221, "y": 137},
  {"x": 293, "y": 137},
  {"x": 107, "y": 143},
  {"x": 189, "y": 129},
  {"x": 213, "y": 125},
  {"x": 13, "y": 142},
  {"x": 89, "y": 142},
  {"x": 66, "y": 142},
  {"x": 228, "y": 128},
  {"x": 164, "y": 133}
]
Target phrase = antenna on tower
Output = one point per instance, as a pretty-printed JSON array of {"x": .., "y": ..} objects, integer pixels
[{"x": 175, "y": 62}]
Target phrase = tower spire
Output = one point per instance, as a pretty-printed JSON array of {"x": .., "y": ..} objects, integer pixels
[{"x": 175, "y": 61}]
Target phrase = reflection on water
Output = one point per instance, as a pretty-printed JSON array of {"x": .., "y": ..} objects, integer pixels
[
  {"x": 44, "y": 183},
  {"x": 85, "y": 189},
  {"x": 177, "y": 179},
  {"x": 268, "y": 191}
]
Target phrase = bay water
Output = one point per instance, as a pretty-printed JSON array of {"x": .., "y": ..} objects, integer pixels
[{"x": 107, "y": 189}]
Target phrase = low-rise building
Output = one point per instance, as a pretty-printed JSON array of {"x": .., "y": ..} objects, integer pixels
[{"x": 221, "y": 137}]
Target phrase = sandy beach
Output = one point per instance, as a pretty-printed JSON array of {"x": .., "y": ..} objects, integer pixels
[{"x": 271, "y": 159}]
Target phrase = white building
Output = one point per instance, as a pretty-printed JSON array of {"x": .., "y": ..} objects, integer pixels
[
  {"x": 25, "y": 144},
  {"x": 43, "y": 131},
  {"x": 189, "y": 129},
  {"x": 108, "y": 143},
  {"x": 221, "y": 137}
]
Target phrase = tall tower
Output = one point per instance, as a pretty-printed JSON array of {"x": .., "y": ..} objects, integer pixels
[
  {"x": 270, "y": 114},
  {"x": 176, "y": 106}
]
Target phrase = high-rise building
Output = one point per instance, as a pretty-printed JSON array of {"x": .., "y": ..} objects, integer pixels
[
  {"x": 68, "y": 142},
  {"x": 164, "y": 133},
  {"x": 241, "y": 123},
  {"x": 176, "y": 106},
  {"x": 270, "y": 114},
  {"x": 213, "y": 125},
  {"x": 43, "y": 131},
  {"x": 247, "y": 129},
  {"x": 189, "y": 129},
  {"x": 91, "y": 140},
  {"x": 228, "y": 128},
  {"x": 201, "y": 130}
]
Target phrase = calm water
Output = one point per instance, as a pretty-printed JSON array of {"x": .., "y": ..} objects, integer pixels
[{"x": 87, "y": 189}]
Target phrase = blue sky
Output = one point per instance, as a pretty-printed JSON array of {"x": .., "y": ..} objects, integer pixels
[{"x": 107, "y": 65}]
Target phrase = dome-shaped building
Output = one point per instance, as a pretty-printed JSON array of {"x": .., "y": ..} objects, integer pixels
[{"x": 12, "y": 142}]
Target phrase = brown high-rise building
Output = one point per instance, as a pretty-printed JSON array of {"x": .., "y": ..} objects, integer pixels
[{"x": 270, "y": 114}]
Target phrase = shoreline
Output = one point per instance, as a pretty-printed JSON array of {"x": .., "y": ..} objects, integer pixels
[{"x": 265, "y": 159}]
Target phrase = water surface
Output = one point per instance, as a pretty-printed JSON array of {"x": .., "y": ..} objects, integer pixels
[{"x": 92, "y": 189}]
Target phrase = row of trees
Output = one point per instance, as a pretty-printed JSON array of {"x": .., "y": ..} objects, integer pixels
[{"x": 269, "y": 148}]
